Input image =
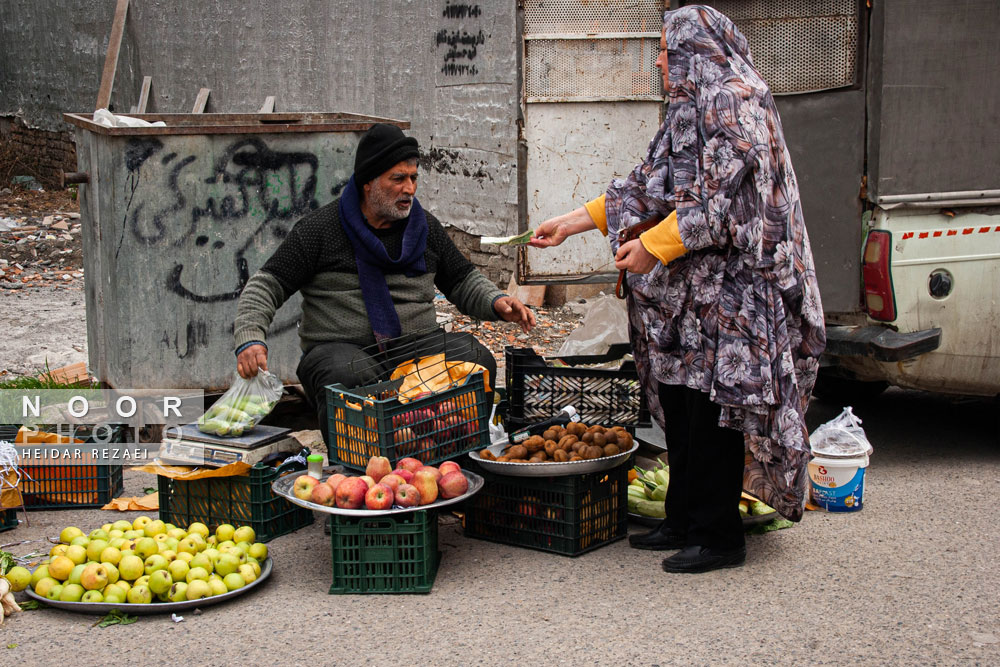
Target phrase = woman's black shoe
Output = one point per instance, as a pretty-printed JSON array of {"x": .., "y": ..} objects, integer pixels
[
  {"x": 704, "y": 559},
  {"x": 659, "y": 539}
]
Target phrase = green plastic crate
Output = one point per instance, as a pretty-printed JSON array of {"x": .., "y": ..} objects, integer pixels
[
  {"x": 568, "y": 515},
  {"x": 243, "y": 500},
  {"x": 8, "y": 520},
  {"x": 370, "y": 421},
  {"x": 389, "y": 554},
  {"x": 73, "y": 485}
]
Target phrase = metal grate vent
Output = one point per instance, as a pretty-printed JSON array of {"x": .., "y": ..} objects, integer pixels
[
  {"x": 591, "y": 69},
  {"x": 592, "y": 16},
  {"x": 799, "y": 45}
]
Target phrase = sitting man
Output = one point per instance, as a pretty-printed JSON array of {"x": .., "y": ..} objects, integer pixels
[{"x": 367, "y": 265}]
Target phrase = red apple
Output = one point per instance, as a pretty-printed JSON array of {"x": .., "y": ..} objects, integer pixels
[
  {"x": 426, "y": 449},
  {"x": 427, "y": 485},
  {"x": 368, "y": 480},
  {"x": 303, "y": 486},
  {"x": 432, "y": 470},
  {"x": 378, "y": 467},
  {"x": 446, "y": 407},
  {"x": 407, "y": 475},
  {"x": 453, "y": 485},
  {"x": 407, "y": 496},
  {"x": 449, "y": 466},
  {"x": 410, "y": 463},
  {"x": 335, "y": 480},
  {"x": 392, "y": 480},
  {"x": 405, "y": 440},
  {"x": 379, "y": 497},
  {"x": 351, "y": 493},
  {"x": 423, "y": 421},
  {"x": 323, "y": 494}
]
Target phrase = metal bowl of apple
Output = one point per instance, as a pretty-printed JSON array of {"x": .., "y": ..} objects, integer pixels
[
  {"x": 145, "y": 609},
  {"x": 283, "y": 487},
  {"x": 550, "y": 468}
]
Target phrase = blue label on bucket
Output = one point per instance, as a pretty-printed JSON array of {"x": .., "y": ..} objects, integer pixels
[{"x": 839, "y": 498}]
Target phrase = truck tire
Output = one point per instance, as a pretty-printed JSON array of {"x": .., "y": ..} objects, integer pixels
[{"x": 846, "y": 391}]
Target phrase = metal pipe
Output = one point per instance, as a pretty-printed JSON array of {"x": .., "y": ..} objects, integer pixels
[
  {"x": 71, "y": 177},
  {"x": 941, "y": 197}
]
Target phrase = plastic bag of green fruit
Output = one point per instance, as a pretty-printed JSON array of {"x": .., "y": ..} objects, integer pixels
[{"x": 243, "y": 406}]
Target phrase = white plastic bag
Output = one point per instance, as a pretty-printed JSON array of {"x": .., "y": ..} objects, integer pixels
[
  {"x": 242, "y": 406},
  {"x": 604, "y": 324},
  {"x": 842, "y": 436}
]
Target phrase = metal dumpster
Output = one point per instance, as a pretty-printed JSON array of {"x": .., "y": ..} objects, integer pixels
[{"x": 175, "y": 221}]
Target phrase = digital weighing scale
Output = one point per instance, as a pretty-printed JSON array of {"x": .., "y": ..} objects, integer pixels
[{"x": 189, "y": 446}]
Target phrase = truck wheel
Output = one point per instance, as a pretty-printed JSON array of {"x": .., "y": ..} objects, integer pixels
[{"x": 845, "y": 391}]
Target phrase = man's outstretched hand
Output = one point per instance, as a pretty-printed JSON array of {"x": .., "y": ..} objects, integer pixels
[
  {"x": 251, "y": 360},
  {"x": 512, "y": 310}
]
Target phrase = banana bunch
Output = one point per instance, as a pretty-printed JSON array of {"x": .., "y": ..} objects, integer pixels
[
  {"x": 648, "y": 490},
  {"x": 236, "y": 418}
]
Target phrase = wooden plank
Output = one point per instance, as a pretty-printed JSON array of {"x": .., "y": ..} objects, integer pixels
[
  {"x": 201, "y": 101},
  {"x": 147, "y": 81},
  {"x": 73, "y": 373},
  {"x": 111, "y": 59},
  {"x": 268, "y": 106}
]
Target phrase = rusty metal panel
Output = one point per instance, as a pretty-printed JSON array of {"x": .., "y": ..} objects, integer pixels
[
  {"x": 935, "y": 95},
  {"x": 574, "y": 150},
  {"x": 174, "y": 225}
]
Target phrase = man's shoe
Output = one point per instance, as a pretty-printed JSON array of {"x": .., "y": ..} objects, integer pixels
[
  {"x": 704, "y": 559},
  {"x": 660, "y": 538}
]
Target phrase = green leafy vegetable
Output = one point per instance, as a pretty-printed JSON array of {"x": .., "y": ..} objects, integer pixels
[{"x": 116, "y": 617}]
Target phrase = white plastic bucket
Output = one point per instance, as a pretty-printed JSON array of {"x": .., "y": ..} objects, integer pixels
[{"x": 838, "y": 483}]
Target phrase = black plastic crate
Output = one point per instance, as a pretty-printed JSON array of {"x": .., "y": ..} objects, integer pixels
[
  {"x": 568, "y": 515},
  {"x": 384, "y": 554},
  {"x": 76, "y": 484},
  {"x": 537, "y": 390},
  {"x": 8, "y": 520},
  {"x": 242, "y": 500},
  {"x": 370, "y": 421}
]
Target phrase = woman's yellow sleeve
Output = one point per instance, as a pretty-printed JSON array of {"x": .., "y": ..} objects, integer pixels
[
  {"x": 664, "y": 240},
  {"x": 597, "y": 213}
]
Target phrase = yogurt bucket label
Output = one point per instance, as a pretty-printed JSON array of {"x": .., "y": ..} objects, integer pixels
[{"x": 838, "y": 485}]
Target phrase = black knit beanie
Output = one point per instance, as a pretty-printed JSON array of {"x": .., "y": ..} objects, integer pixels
[{"x": 381, "y": 147}]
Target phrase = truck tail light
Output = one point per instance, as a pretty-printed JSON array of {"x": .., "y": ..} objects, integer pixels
[{"x": 879, "y": 298}]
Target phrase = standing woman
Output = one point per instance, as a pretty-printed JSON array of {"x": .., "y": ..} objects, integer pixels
[{"x": 724, "y": 309}]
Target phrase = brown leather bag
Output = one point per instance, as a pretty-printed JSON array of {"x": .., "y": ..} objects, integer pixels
[{"x": 630, "y": 234}]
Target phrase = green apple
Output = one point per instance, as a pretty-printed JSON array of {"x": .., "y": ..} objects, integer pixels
[
  {"x": 121, "y": 525},
  {"x": 18, "y": 577},
  {"x": 94, "y": 577},
  {"x": 169, "y": 555},
  {"x": 44, "y": 585},
  {"x": 80, "y": 541},
  {"x": 98, "y": 534},
  {"x": 170, "y": 543},
  {"x": 189, "y": 545},
  {"x": 234, "y": 580},
  {"x": 142, "y": 581},
  {"x": 212, "y": 540},
  {"x": 154, "y": 528},
  {"x": 212, "y": 554},
  {"x": 198, "y": 589},
  {"x": 71, "y": 593},
  {"x": 227, "y": 564},
  {"x": 217, "y": 586},
  {"x": 55, "y": 591},
  {"x": 140, "y": 522},
  {"x": 185, "y": 556},
  {"x": 60, "y": 567},
  {"x": 134, "y": 534},
  {"x": 58, "y": 550},
  {"x": 131, "y": 567},
  {"x": 160, "y": 582},
  {"x": 258, "y": 550},
  {"x": 224, "y": 532},
  {"x": 112, "y": 571},
  {"x": 178, "y": 591},
  {"x": 248, "y": 573},
  {"x": 40, "y": 573},
  {"x": 225, "y": 544},
  {"x": 255, "y": 565},
  {"x": 128, "y": 546},
  {"x": 196, "y": 574},
  {"x": 69, "y": 533},
  {"x": 154, "y": 563},
  {"x": 117, "y": 542},
  {"x": 146, "y": 547},
  {"x": 139, "y": 595},
  {"x": 177, "y": 533},
  {"x": 114, "y": 534},
  {"x": 77, "y": 554},
  {"x": 161, "y": 539},
  {"x": 198, "y": 540},
  {"x": 95, "y": 548},
  {"x": 200, "y": 529},
  {"x": 106, "y": 527},
  {"x": 244, "y": 534},
  {"x": 76, "y": 573},
  {"x": 164, "y": 596},
  {"x": 114, "y": 595},
  {"x": 92, "y": 596},
  {"x": 124, "y": 585},
  {"x": 178, "y": 569},
  {"x": 203, "y": 561}
]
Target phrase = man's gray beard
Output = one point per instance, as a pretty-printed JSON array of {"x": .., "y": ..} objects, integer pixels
[{"x": 383, "y": 204}]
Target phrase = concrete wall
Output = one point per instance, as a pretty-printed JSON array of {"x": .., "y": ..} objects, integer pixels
[{"x": 449, "y": 68}]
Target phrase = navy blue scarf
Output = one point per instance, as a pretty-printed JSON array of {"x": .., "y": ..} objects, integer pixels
[{"x": 374, "y": 262}]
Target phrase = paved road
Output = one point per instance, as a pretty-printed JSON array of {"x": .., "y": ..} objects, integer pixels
[{"x": 914, "y": 578}]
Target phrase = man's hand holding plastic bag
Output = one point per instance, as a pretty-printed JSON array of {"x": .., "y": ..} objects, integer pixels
[{"x": 241, "y": 408}]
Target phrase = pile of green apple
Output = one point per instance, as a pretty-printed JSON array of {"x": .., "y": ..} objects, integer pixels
[{"x": 146, "y": 561}]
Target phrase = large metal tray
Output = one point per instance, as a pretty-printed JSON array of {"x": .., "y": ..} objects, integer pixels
[
  {"x": 102, "y": 608},
  {"x": 283, "y": 487},
  {"x": 550, "y": 469}
]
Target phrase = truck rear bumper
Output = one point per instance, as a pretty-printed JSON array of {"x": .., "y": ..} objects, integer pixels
[{"x": 880, "y": 343}]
